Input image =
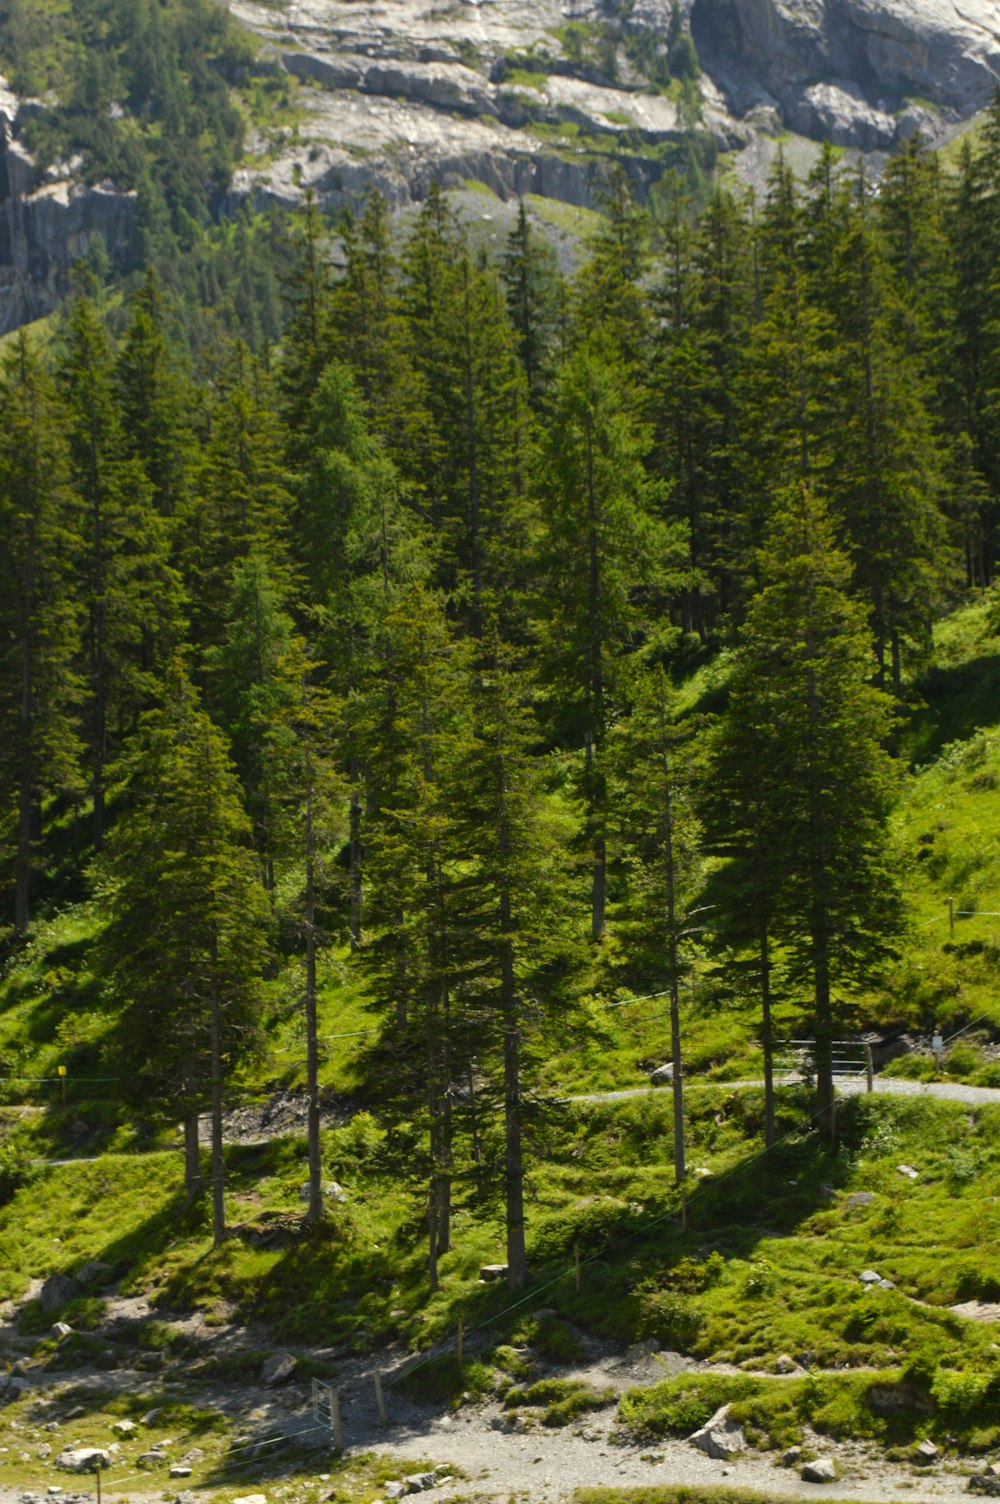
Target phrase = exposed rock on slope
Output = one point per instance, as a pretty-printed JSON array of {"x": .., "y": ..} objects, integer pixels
[
  {"x": 866, "y": 72},
  {"x": 47, "y": 222}
]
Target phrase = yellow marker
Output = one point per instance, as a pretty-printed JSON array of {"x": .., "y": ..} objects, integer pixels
[{"x": 61, "y": 1069}]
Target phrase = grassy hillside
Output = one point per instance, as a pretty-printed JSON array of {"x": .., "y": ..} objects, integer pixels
[{"x": 766, "y": 1268}]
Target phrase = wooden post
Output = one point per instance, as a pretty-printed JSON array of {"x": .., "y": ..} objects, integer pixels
[
  {"x": 379, "y": 1402},
  {"x": 684, "y": 1207},
  {"x": 62, "y": 1082},
  {"x": 460, "y": 1334},
  {"x": 869, "y": 1067},
  {"x": 98, "y": 1472},
  {"x": 576, "y": 1265},
  {"x": 335, "y": 1426},
  {"x": 951, "y": 917}
]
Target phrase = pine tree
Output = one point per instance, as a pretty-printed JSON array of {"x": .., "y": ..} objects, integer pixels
[
  {"x": 155, "y": 400},
  {"x": 412, "y": 957},
  {"x": 610, "y": 568},
  {"x": 505, "y": 905},
  {"x": 806, "y": 724},
  {"x": 185, "y": 939},
  {"x": 530, "y": 275},
  {"x": 651, "y": 760},
  {"x": 39, "y": 618},
  {"x": 130, "y": 592}
]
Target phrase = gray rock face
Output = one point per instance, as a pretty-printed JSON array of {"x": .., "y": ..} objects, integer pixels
[
  {"x": 57, "y": 1291},
  {"x": 866, "y": 58},
  {"x": 45, "y": 228}
]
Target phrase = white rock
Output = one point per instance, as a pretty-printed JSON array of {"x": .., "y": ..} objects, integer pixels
[{"x": 821, "y": 1470}]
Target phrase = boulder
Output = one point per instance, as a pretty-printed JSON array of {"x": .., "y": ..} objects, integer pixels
[
  {"x": 861, "y": 1198},
  {"x": 719, "y": 1437},
  {"x": 820, "y": 1470},
  {"x": 785, "y": 1363},
  {"x": 490, "y": 1272},
  {"x": 83, "y": 1460},
  {"x": 124, "y": 1427},
  {"x": 925, "y": 1451},
  {"x": 394, "y": 1491},
  {"x": 792, "y": 1456},
  {"x": 278, "y": 1368},
  {"x": 663, "y": 1074},
  {"x": 62, "y": 1329},
  {"x": 57, "y": 1291},
  {"x": 251, "y": 1499},
  {"x": 909, "y": 1172},
  {"x": 331, "y": 1190},
  {"x": 869, "y": 1277},
  {"x": 986, "y": 1482},
  {"x": 179, "y": 1471}
]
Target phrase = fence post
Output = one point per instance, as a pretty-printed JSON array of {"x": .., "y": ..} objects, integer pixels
[
  {"x": 869, "y": 1067},
  {"x": 379, "y": 1402},
  {"x": 335, "y": 1426},
  {"x": 951, "y": 917}
]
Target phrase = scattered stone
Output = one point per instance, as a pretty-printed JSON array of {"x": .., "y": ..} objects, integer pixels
[
  {"x": 491, "y": 1272},
  {"x": 909, "y": 1172},
  {"x": 75, "y": 1413},
  {"x": 53, "y": 1489},
  {"x": 151, "y": 1417},
  {"x": 861, "y": 1198},
  {"x": 821, "y": 1470},
  {"x": 702, "y": 1172},
  {"x": 785, "y": 1363},
  {"x": 251, "y": 1499},
  {"x": 153, "y": 1458},
  {"x": 278, "y": 1368},
  {"x": 44, "y": 1452},
  {"x": 62, "y": 1329},
  {"x": 719, "y": 1437},
  {"x": 869, "y": 1277},
  {"x": 886, "y": 1284},
  {"x": 394, "y": 1490},
  {"x": 57, "y": 1291},
  {"x": 83, "y": 1460},
  {"x": 124, "y": 1427},
  {"x": 986, "y": 1482},
  {"x": 180, "y": 1472},
  {"x": 331, "y": 1190},
  {"x": 663, "y": 1074},
  {"x": 418, "y": 1482},
  {"x": 792, "y": 1456},
  {"x": 925, "y": 1451}
]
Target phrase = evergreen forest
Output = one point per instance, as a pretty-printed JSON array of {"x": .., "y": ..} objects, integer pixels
[{"x": 488, "y": 650}]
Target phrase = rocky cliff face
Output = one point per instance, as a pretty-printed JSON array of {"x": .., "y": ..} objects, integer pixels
[
  {"x": 529, "y": 96},
  {"x": 48, "y": 221},
  {"x": 864, "y": 72}
]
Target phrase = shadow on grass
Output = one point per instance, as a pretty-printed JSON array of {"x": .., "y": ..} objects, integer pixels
[{"x": 957, "y": 702}]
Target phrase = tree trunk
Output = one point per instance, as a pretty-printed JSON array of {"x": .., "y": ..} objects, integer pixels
[
  {"x": 767, "y": 1036},
  {"x": 517, "y": 1259},
  {"x": 599, "y": 886},
  {"x": 315, "y": 1211},
  {"x": 192, "y": 1157},
  {"x": 676, "y": 1056},
  {"x": 356, "y": 856},
  {"x": 218, "y": 1165},
  {"x": 824, "y": 1036}
]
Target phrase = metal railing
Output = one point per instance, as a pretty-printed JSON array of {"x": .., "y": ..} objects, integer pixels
[{"x": 850, "y": 1058}]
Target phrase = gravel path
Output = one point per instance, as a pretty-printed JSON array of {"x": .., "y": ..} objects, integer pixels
[{"x": 847, "y": 1086}]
